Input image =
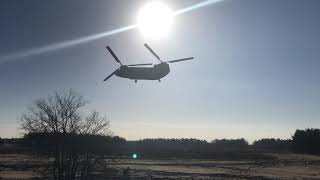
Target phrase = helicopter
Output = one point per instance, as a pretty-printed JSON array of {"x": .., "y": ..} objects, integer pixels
[{"x": 137, "y": 72}]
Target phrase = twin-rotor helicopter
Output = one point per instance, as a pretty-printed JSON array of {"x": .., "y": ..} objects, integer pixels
[{"x": 139, "y": 72}]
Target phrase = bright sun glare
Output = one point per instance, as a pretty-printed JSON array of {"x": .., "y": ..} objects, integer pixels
[{"x": 155, "y": 20}]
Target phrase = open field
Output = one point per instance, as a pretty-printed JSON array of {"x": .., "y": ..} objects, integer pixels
[{"x": 283, "y": 166}]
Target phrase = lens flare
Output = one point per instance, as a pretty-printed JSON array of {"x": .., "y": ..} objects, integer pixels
[
  {"x": 197, "y": 6},
  {"x": 134, "y": 156},
  {"x": 62, "y": 45},
  {"x": 74, "y": 42}
]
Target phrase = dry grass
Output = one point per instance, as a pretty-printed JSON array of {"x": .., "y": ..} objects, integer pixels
[
  {"x": 284, "y": 166},
  {"x": 21, "y": 166},
  {"x": 289, "y": 166}
]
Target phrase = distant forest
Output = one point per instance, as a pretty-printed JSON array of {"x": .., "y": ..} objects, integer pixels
[{"x": 303, "y": 141}]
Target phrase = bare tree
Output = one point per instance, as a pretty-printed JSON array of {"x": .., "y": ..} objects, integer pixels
[{"x": 72, "y": 134}]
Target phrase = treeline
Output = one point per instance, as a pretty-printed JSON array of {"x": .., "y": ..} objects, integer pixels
[
  {"x": 306, "y": 141},
  {"x": 273, "y": 145},
  {"x": 191, "y": 148},
  {"x": 303, "y": 141},
  {"x": 75, "y": 143},
  {"x": 10, "y": 140}
]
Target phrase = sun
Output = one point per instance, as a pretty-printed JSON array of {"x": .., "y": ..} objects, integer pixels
[{"x": 155, "y": 20}]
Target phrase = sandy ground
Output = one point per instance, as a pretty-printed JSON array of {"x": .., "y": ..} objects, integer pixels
[
  {"x": 288, "y": 166},
  {"x": 291, "y": 166}
]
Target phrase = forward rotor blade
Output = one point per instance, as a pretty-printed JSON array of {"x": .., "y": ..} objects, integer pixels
[
  {"x": 113, "y": 54},
  {"x": 110, "y": 75},
  {"x": 178, "y": 60},
  {"x": 149, "y": 48},
  {"x": 144, "y": 64}
]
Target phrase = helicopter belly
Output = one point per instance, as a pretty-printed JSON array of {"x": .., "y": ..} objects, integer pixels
[{"x": 138, "y": 73}]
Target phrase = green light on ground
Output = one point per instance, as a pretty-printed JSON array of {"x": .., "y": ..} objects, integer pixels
[{"x": 134, "y": 156}]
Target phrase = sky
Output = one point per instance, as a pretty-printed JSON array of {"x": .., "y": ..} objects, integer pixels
[{"x": 255, "y": 73}]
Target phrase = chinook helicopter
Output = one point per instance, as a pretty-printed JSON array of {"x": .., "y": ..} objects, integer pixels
[{"x": 137, "y": 72}]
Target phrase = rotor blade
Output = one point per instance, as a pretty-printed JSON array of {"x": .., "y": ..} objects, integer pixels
[
  {"x": 113, "y": 54},
  {"x": 149, "y": 48},
  {"x": 178, "y": 60},
  {"x": 110, "y": 75},
  {"x": 144, "y": 64}
]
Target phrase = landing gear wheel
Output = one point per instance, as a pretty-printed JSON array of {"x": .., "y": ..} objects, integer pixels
[
  {"x": 135, "y": 81},
  {"x": 159, "y": 80}
]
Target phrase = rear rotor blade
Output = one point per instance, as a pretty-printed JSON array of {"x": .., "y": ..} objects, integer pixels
[
  {"x": 178, "y": 60},
  {"x": 144, "y": 64},
  {"x": 113, "y": 54},
  {"x": 149, "y": 48},
  {"x": 110, "y": 75}
]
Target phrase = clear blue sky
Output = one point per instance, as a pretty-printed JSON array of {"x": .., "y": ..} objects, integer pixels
[{"x": 255, "y": 74}]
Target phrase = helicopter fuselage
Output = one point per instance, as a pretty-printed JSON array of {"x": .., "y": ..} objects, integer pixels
[
  {"x": 156, "y": 72},
  {"x": 143, "y": 71}
]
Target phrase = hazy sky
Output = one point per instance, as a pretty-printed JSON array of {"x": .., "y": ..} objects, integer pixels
[{"x": 255, "y": 74}]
